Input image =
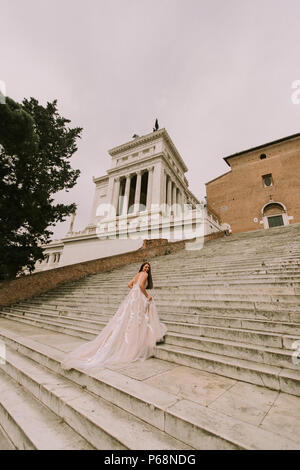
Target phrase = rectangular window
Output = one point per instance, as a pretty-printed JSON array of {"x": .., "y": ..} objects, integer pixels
[{"x": 275, "y": 221}]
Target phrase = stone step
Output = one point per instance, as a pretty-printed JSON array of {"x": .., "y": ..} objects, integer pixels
[
  {"x": 194, "y": 319},
  {"x": 31, "y": 425},
  {"x": 101, "y": 423},
  {"x": 273, "y": 377},
  {"x": 190, "y": 287},
  {"x": 198, "y": 276},
  {"x": 201, "y": 273},
  {"x": 211, "y": 259},
  {"x": 273, "y": 349},
  {"x": 177, "y": 420},
  {"x": 288, "y": 293},
  {"x": 292, "y": 299},
  {"x": 197, "y": 305},
  {"x": 240, "y": 334},
  {"x": 253, "y": 310},
  {"x": 70, "y": 330},
  {"x": 91, "y": 325},
  {"x": 232, "y": 322},
  {"x": 217, "y": 279},
  {"x": 178, "y": 296},
  {"x": 233, "y": 349},
  {"x": 225, "y": 261}
]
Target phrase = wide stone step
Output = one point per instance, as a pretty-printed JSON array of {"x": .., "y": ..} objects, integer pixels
[
  {"x": 190, "y": 286},
  {"x": 87, "y": 334},
  {"x": 31, "y": 425},
  {"x": 273, "y": 349},
  {"x": 234, "y": 349},
  {"x": 208, "y": 269},
  {"x": 203, "y": 258},
  {"x": 266, "y": 339},
  {"x": 94, "y": 282},
  {"x": 201, "y": 274},
  {"x": 276, "y": 304},
  {"x": 92, "y": 325},
  {"x": 216, "y": 280},
  {"x": 178, "y": 419},
  {"x": 102, "y": 424},
  {"x": 256, "y": 311},
  {"x": 274, "y": 377},
  {"x": 194, "y": 319},
  {"x": 178, "y": 296},
  {"x": 270, "y": 339},
  {"x": 234, "y": 322}
]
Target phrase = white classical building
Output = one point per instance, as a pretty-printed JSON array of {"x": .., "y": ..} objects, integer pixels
[{"x": 144, "y": 195}]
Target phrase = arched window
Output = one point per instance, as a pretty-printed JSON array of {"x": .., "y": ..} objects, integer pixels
[{"x": 274, "y": 214}]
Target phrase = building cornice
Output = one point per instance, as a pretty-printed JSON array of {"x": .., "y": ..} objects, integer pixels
[
  {"x": 53, "y": 244},
  {"x": 100, "y": 178},
  {"x": 268, "y": 144},
  {"x": 135, "y": 165},
  {"x": 152, "y": 137},
  {"x": 218, "y": 177}
]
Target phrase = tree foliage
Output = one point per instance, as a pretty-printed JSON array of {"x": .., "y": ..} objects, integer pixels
[{"x": 35, "y": 148}]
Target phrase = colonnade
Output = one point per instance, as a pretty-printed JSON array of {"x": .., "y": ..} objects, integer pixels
[{"x": 133, "y": 192}]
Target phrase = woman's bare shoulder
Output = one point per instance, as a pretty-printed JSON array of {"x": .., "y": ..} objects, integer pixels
[{"x": 136, "y": 277}]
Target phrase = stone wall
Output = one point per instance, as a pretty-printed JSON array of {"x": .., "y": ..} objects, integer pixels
[{"x": 29, "y": 286}]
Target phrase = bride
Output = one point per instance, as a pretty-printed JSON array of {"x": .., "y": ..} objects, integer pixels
[{"x": 129, "y": 336}]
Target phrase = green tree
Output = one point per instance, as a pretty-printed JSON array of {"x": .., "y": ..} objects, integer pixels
[{"x": 35, "y": 148}]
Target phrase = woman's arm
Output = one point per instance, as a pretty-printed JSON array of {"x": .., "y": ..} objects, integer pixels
[
  {"x": 142, "y": 285},
  {"x": 133, "y": 280}
]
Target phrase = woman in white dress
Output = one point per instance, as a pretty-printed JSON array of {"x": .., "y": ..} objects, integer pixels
[{"x": 130, "y": 335}]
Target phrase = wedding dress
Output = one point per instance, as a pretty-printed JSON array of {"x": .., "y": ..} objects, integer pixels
[{"x": 129, "y": 336}]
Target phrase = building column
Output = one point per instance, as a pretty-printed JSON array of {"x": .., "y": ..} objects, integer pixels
[
  {"x": 126, "y": 195},
  {"x": 164, "y": 198},
  {"x": 181, "y": 201},
  {"x": 149, "y": 188},
  {"x": 110, "y": 190},
  {"x": 116, "y": 192},
  {"x": 174, "y": 196},
  {"x": 169, "y": 194},
  {"x": 157, "y": 188},
  {"x": 137, "y": 194}
]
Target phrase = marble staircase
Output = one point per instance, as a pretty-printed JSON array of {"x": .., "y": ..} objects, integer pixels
[{"x": 232, "y": 309}]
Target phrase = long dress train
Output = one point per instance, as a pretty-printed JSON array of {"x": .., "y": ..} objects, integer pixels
[{"x": 130, "y": 335}]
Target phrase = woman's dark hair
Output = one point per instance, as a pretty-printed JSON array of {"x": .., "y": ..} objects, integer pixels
[{"x": 149, "y": 279}]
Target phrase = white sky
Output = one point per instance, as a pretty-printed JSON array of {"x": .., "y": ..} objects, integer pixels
[{"x": 216, "y": 73}]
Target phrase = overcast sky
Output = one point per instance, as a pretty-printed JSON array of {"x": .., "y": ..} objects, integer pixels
[{"x": 216, "y": 73}]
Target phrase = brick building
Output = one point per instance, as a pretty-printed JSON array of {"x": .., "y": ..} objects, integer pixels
[{"x": 262, "y": 187}]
